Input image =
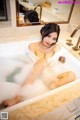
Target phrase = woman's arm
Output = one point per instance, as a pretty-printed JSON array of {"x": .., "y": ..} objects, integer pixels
[{"x": 35, "y": 72}]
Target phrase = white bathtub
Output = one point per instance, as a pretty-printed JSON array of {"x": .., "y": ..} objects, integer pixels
[{"x": 15, "y": 64}]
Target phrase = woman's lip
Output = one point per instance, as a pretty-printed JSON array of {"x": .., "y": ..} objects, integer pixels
[{"x": 47, "y": 43}]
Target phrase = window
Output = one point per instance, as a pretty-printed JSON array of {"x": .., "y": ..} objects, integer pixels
[{"x": 3, "y": 10}]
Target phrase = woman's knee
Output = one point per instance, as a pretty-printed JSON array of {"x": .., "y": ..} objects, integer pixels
[
  {"x": 66, "y": 77},
  {"x": 71, "y": 75}
]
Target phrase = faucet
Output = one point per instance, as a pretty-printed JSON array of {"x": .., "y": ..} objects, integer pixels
[
  {"x": 40, "y": 10},
  {"x": 76, "y": 47},
  {"x": 74, "y": 32}
]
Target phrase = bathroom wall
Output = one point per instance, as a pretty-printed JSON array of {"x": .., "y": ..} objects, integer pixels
[
  {"x": 23, "y": 32},
  {"x": 13, "y": 12},
  {"x": 75, "y": 19}
]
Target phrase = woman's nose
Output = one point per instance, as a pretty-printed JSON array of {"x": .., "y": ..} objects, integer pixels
[{"x": 51, "y": 41}]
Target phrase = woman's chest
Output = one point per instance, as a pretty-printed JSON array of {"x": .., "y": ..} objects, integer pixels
[{"x": 44, "y": 54}]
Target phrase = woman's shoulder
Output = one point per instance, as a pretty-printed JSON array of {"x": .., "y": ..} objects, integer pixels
[
  {"x": 33, "y": 46},
  {"x": 58, "y": 47}
]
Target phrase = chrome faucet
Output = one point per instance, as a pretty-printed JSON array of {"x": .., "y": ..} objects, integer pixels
[
  {"x": 76, "y": 47},
  {"x": 74, "y": 32},
  {"x": 40, "y": 10}
]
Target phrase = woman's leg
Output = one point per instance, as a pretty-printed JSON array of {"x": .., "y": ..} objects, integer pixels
[
  {"x": 33, "y": 75},
  {"x": 63, "y": 79},
  {"x": 12, "y": 101}
]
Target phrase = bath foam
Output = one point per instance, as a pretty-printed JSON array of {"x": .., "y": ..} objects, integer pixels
[
  {"x": 51, "y": 72},
  {"x": 71, "y": 64},
  {"x": 9, "y": 65},
  {"x": 10, "y": 77},
  {"x": 8, "y": 90},
  {"x": 34, "y": 89},
  {"x": 21, "y": 76}
]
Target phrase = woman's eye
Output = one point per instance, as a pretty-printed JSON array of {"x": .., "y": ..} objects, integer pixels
[{"x": 54, "y": 38}]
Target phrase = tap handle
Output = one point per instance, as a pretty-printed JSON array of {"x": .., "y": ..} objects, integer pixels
[{"x": 78, "y": 42}]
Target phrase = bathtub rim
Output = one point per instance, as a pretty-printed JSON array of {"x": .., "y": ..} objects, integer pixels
[{"x": 40, "y": 97}]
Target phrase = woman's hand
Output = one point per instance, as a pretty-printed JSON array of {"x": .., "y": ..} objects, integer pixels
[{"x": 12, "y": 101}]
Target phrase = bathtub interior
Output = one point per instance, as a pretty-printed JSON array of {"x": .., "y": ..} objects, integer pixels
[{"x": 15, "y": 65}]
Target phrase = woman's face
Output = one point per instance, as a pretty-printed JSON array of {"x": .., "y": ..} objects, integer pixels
[{"x": 50, "y": 39}]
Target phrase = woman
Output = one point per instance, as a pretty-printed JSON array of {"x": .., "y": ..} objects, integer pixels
[
  {"x": 44, "y": 50},
  {"x": 47, "y": 46}
]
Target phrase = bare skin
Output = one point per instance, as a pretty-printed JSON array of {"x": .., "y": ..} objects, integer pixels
[
  {"x": 44, "y": 50},
  {"x": 63, "y": 79}
]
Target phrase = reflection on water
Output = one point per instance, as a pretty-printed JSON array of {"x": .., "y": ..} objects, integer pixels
[{"x": 10, "y": 77}]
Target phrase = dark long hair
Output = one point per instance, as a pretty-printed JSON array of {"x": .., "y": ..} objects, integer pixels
[
  {"x": 49, "y": 28},
  {"x": 32, "y": 16}
]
